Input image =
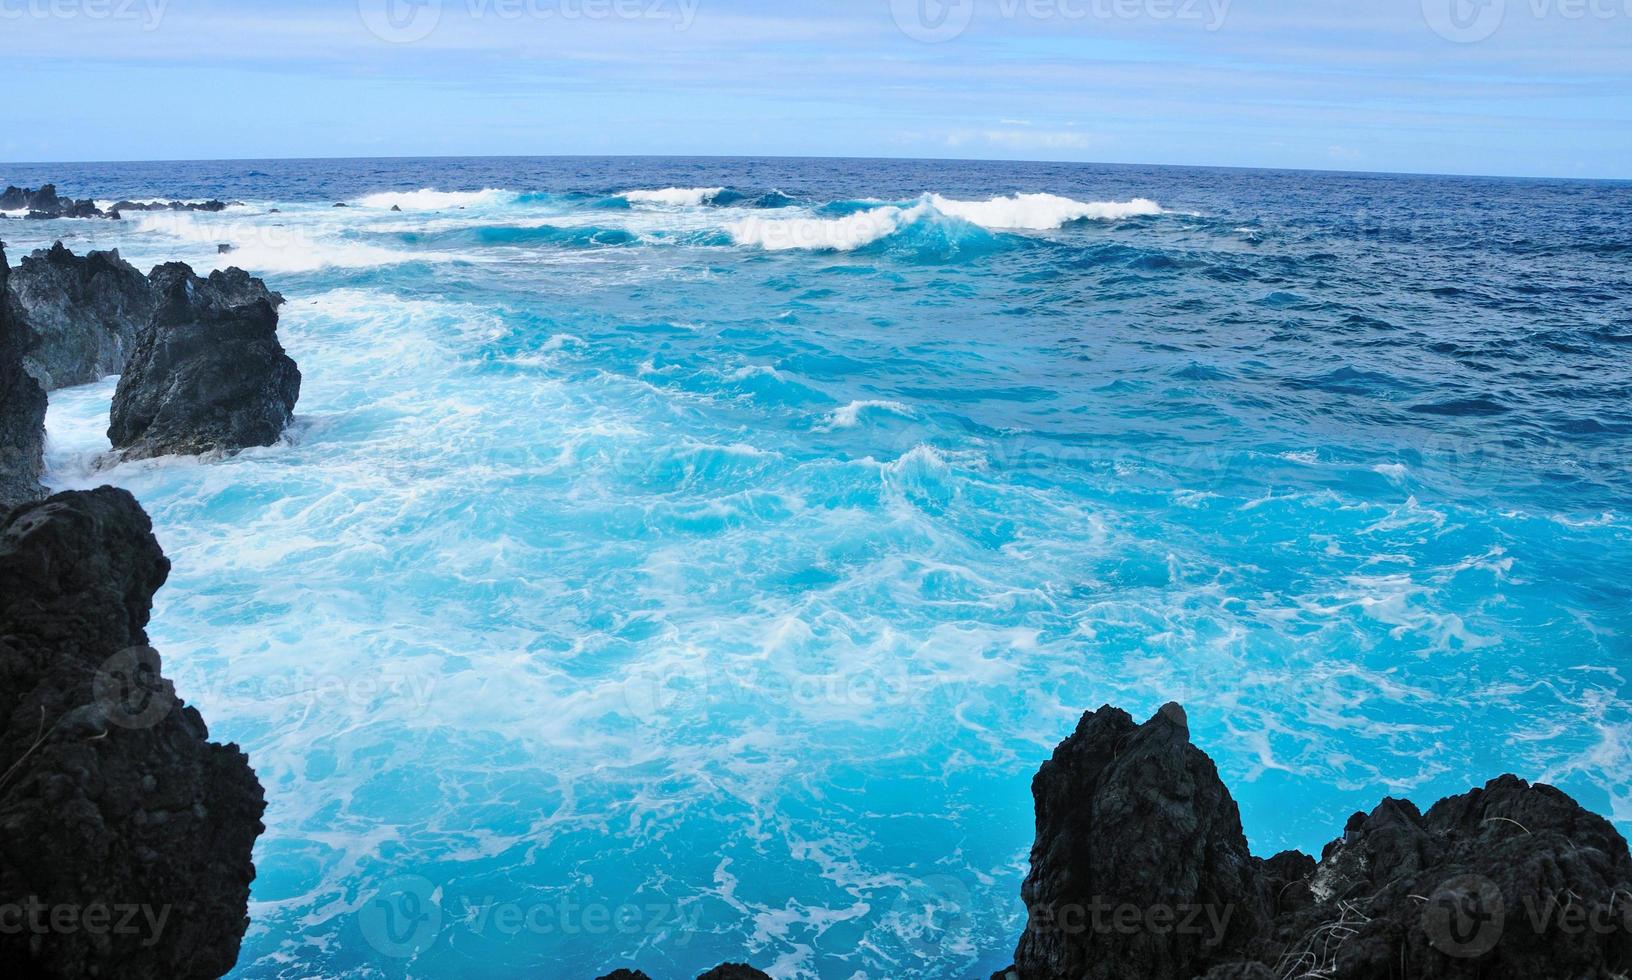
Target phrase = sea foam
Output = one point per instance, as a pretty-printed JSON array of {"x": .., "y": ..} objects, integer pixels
[
  {"x": 1020, "y": 212},
  {"x": 674, "y": 196}
]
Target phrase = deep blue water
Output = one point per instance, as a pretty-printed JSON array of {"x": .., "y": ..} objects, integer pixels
[{"x": 692, "y": 576}]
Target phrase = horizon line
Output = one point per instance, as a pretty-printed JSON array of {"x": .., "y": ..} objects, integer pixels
[{"x": 774, "y": 156}]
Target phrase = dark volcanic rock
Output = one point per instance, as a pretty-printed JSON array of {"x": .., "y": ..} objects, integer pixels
[
  {"x": 1134, "y": 826},
  {"x": 208, "y": 373},
  {"x": 211, "y": 205},
  {"x": 86, "y": 311},
  {"x": 734, "y": 971},
  {"x": 625, "y": 975},
  {"x": 44, "y": 204},
  {"x": 1508, "y": 882},
  {"x": 22, "y": 404},
  {"x": 125, "y": 834}
]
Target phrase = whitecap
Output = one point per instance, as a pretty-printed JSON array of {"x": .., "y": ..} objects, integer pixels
[
  {"x": 678, "y": 197},
  {"x": 1040, "y": 212}
]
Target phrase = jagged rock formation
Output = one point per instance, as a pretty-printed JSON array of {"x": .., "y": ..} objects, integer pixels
[
  {"x": 22, "y": 405},
  {"x": 125, "y": 834},
  {"x": 86, "y": 312},
  {"x": 1135, "y": 830},
  {"x": 208, "y": 373},
  {"x": 211, "y": 205},
  {"x": 734, "y": 971},
  {"x": 44, "y": 204},
  {"x": 725, "y": 971}
]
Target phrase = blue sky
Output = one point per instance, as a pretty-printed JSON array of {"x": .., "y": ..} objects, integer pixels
[{"x": 1523, "y": 87}]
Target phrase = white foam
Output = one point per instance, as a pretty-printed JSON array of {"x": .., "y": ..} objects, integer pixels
[
  {"x": 1040, "y": 212},
  {"x": 428, "y": 199},
  {"x": 1021, "y": 212},
  {"x": 678, "y": 197},
  {"x": 844, "y": 234},
  {"x": 848, "y": 416}
]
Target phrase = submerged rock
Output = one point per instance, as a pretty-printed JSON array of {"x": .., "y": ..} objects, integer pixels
[
  {"x": 1135, "y": 831},
  {"x": 208, "y": 373},
  {"x": 22, "y": 404},
  {"x": 125, "y": 834},
  {"x": 86, "y": 311}
]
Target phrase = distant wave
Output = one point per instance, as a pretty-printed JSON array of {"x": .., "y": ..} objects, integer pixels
[
  {"x": 427, "y": 199},
  {"x": 1021, "y": 212},
  {"x": 674, "y": 196},
  {"x": 1040, "y": 212}
]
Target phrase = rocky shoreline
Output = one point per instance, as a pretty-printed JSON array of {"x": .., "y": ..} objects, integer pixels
[{"x": 127, "y": 837}]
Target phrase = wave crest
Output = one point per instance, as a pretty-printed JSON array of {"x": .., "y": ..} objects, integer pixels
[
  {"x": 1020, "y": 212},
  {"x": 678, "y": 197}
]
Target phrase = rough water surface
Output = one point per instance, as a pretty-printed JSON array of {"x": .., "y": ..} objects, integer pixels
[{"x": 675, "y": 561}]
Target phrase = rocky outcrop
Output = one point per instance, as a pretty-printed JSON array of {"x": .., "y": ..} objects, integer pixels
[
  {"x": 1140, "y": 870},
  {"x": 44, "y": 203},
  {"x": 210, "y": 205},
  {"x": 208, "y": 374},
  {"x": 725, "y": 971},
  {"x": 22, "y": 405},
  {"x": 125, "y": 834},
  {"x": 1131, "y": 818},
  {"x": 85, "y": 310},
  {"x": 734, "y": 971}
]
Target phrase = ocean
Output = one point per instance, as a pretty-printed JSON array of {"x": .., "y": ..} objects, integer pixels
[{"x": 687, "y": 560}]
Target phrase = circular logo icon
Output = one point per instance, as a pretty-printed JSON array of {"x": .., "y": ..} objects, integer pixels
[
  {"x": 1464, "y": 21},
  {"x": 652, "y": 691},
  {"x": 400, "y": 21},
  {"x": 932, "y": 21},
  {"x": 130, "y": 691},
  {"x": 934, "y": 915},
  {"x": 403, "y": 918},
  {"x": 1463, "y": 917}
]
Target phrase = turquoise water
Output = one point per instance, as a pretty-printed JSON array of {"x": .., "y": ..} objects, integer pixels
[{"x": 700, "y": 575}]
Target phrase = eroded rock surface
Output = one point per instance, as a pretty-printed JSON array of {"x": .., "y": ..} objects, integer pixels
[
  {"x": 125, "y": 833},
  {"x": 208, "y": 373},
  {"x": 86, "y": 311}
]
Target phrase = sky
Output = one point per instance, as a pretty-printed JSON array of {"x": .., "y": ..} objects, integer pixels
[{"x": 1510, "y": 87}]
